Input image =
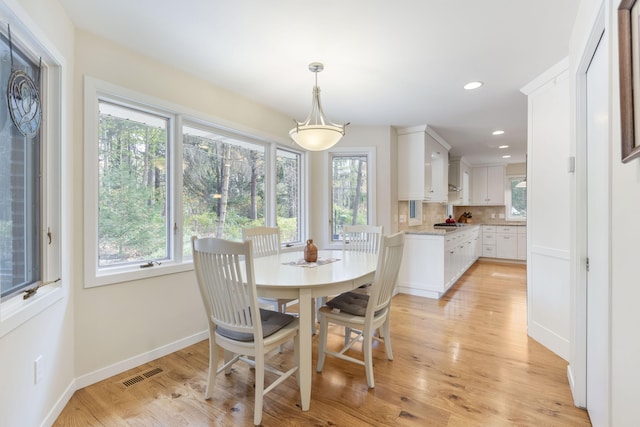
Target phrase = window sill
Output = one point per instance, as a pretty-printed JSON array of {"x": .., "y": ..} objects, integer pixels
[
  {"x": 129, "y": 274},
  {"x": 16, "y": 311}
]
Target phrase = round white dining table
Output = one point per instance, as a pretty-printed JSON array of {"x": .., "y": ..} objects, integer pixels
[{"x": 287, "y": 276}]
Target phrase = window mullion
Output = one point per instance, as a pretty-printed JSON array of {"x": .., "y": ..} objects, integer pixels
[{"x": 175, "y": 191}]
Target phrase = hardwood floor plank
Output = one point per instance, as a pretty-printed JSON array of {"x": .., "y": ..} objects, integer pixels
[{"x": 463, "y": 360}]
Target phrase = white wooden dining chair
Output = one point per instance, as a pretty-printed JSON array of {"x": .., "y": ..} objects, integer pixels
[
  {"x": 365, "y": 313},
  {"x": 236, "y": 323},
  {"x": 266, "y": 241},
  {"x": 358, "y": 238},
  {"x": 362, "y": 238}
]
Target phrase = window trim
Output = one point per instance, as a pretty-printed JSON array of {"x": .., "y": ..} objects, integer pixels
[
  {"x": 94, "y": 89},
  {"x": 508, "y": 199},
  {"x": 14, "y": 311},
  {"x": 370, "y": 153},
  {"x": 302, "y": 196}
]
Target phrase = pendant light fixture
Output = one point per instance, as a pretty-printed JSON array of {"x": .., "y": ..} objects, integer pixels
[{"x": 316, "y": 133}]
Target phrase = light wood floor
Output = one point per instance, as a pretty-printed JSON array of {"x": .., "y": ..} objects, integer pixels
[{"x": 464, "y": 360}]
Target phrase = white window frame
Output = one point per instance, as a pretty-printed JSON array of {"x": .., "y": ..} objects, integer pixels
[
  {"x": 302, "y": 199},
  {"x": 370, "y": 153},
  {"x": 14, "y": 311},
  {"x": 508, "y": 198},
  {"x": 95, "y": 89}
]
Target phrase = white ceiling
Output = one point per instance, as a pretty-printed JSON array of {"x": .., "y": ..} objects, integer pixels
[{"x": 400, "y": 63}]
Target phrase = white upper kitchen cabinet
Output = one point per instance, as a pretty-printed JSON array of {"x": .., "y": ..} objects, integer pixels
[
  {"x": 423, "y": 165},
  {"x": 487, "y": 185},
  {"x": 459, "y": 181}
]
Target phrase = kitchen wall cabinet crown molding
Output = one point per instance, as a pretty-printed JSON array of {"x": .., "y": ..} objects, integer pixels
[{"x": 423, "y": 165}]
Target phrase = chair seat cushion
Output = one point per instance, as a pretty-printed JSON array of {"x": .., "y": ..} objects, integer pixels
[
  {"x": 350, "y": 302},
  {"x": 272, "y": 322}
]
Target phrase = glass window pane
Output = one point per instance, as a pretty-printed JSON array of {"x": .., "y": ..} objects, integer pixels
[
  {"x": 288, "y": 196},
  {"x": 20, "y": 210},
  {"x": 223, "y": 185},
  {"x": 349, "y": 192},
  {"x": 518, "y": 199},
  {"x": 132, "y": 193}
]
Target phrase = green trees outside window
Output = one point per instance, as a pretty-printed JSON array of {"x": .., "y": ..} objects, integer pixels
[
  {"x": 288, "y": 196},
  {"x": 148, "y": 212},
  {"x": 349, "y": 192},
  {"x": 223, "y": 188},
  {"x": 133, "y": 192}
]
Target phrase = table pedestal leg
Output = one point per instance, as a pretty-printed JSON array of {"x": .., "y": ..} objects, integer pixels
[{"x": 306, "y": 319}]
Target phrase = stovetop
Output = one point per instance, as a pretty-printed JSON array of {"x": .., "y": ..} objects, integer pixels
[{"x": 448, "y": 224}]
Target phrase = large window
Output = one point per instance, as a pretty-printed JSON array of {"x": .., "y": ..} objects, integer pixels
[
  {"x": 155, "y": 176},
  {"x": 289, "y": 196},
  {"x": 21, "y": 237},
  {"x": 134, "y": 220},
  {"x": 517, "y": 198},
  {"x": 223, "y": 185},
  {"x": 350, "y": 191}
]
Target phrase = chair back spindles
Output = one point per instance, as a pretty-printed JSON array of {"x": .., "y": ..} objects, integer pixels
[
  {"x": 386, "y": 278},
  {"x": 362, "y": 238},
  {"x": 232, "y": 303},
  {"x": 266, "y": 240}
]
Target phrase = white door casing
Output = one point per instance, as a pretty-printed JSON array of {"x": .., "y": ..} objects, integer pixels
[{"x": 598, "y": 239}]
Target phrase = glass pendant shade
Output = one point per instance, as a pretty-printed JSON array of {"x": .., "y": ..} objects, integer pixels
[{"x": 316, "y": 133}]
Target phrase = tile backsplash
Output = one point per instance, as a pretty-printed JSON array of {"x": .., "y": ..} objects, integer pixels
[
  {"x": 433, "y": 213},
  {"x": 481, "y": 214}
]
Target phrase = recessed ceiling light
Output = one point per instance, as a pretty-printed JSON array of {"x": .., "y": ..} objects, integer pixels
[
  {"x": 498, "y": 132},
  {"x": 506, "y": 156},
  {"x": 503, "y": 146},
  {"x": 473, "y": 85}
]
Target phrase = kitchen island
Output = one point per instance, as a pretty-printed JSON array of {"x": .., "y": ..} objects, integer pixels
[{"x": 434, "y": 259}]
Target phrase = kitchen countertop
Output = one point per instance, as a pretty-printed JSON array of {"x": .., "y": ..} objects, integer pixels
[{"x": 442, "y": 231}]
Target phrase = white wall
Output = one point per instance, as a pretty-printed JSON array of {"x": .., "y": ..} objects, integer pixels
[{"x": 49, "y": 333}]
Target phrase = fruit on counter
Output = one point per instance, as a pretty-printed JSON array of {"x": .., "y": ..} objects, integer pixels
[{"x": 450, "y": 220}]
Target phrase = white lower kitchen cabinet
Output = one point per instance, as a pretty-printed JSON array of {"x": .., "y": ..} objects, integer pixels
[
  {"x": 504, "y": 242},
  {"x": 507, "y": 242},
  {"x": 431, "y": 264},
  {"x": 522, "y": 243}
]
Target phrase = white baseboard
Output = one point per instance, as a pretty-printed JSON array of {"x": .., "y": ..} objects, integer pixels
[
  {"x": 124, "y": 365},
  {"x": 55, "y": 412},
  {"x": 548, "y": 338},
  {"x": 116, "y": 368},
  {"x": 578, "y": 398},
  {"x": 418, "y": 292}
]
